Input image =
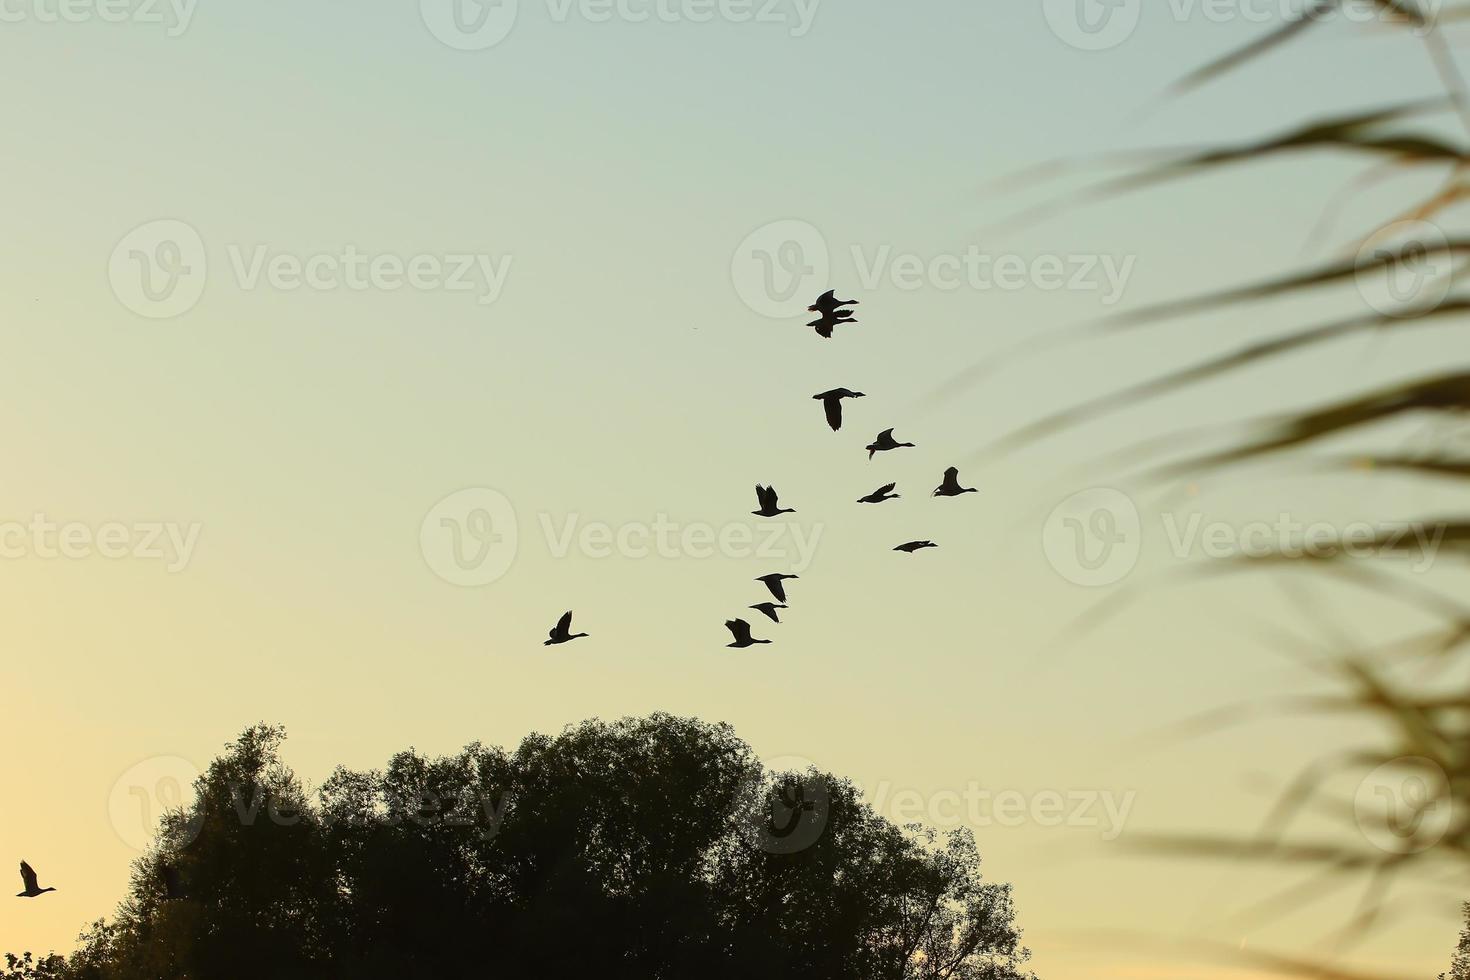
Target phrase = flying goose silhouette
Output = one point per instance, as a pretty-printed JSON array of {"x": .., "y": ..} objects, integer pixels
[
  {"x": 885, "y": 442},
  {"x": 562, "y": 631},
  {"x": 827, "y": 321},
  {"x": 832, "y": 404},
  {"x": 33, "y": 887},
  {"x": 828, "y": 303},
  {"x": 951, "y": 485},
  {"x": 914, "y": 546},
  {"x": 878, "y": 496},
  {"x": 774, "y": 582},
  {"x": 740, "y": 629},
  {"x": 770, "y": 506},
  {"x": 769, "y": 608}
]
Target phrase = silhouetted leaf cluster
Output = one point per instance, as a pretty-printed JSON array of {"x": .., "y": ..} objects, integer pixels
[{"x": 623, "y": 850}]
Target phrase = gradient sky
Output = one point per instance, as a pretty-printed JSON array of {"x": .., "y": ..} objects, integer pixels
[{"x": 620, "y": 376}]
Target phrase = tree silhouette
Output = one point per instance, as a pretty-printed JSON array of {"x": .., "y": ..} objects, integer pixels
[
  {"x": 1460, "y": 965},
  {"x": 643, "y": 848},
  {"x": 27, "y": 967}
]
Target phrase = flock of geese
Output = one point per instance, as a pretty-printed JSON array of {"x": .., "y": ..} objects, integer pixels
[{"x": 831, "y": 313}]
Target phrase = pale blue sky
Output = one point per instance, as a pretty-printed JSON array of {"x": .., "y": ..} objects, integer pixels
[{"x": 620, "y": 376}]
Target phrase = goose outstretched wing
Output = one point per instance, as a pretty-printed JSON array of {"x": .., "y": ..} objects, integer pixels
[{"x": 833, "y": 407}]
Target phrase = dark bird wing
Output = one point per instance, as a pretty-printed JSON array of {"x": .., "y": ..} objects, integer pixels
[
  {"x": 952, "y": 475},
  {"x": 768, "y": 609},
  {"x": 28, "y": 875},
  {"x": 833, "y": 407},
  {"x": 761, "y": 497},
  {"x": 824, "y": 328},
  {"x": 827, "y": 300},
  {"x": 884, "y": 491},
  {"x": 777, "y": 587},
  {"x": 739, "y": 629},
  {"x": 563, "y": 625},
  {"x": 885, "y": 436}
]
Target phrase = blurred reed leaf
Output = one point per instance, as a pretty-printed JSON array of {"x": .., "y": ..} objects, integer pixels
[
  {"x": 1354, "y": 133},
  {"x": 1412, "y": 720},
  {"x": 1216, "y": 367},
  {"x": 1440, "y": 393},
  {"x": 1395, "y": 11}
]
